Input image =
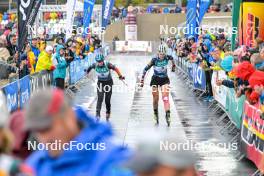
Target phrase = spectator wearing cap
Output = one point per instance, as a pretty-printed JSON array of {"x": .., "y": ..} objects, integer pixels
[
  {"x": 151, "y": 159},
  {"x": 50, "y": 116},
  {"x": 45, "y": 60},
  {"x": 34, "y": 47},
  {"x": 60, "y": 63},
  {"x": 23, "y": 66}
]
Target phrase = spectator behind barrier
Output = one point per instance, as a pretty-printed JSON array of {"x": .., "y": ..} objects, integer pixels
[
  {"x": 60, "y": 63},
  {"x": 31, "y": 59},
  {"x": 4, "y": 53},
  {"x": 50, "y": 116},
  {"x": 45, "y": 60},
  {"x": 6, "y": 70},
  {"x": 11, "y": 44}
]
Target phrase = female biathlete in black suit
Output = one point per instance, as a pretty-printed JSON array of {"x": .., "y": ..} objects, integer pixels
[{"x": 160, "y": 81}]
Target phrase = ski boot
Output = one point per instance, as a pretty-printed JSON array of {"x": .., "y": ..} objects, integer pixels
[
  {"x": 98, "y": 116},
  {"x": 168, "y": 119},
  {"x": 107, "y": 116},
  {"x": 156, "y": 116}
]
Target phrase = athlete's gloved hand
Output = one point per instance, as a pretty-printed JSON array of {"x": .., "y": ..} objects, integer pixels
[
  {"x": 173, "y": 68},
  {"x": 85, "y": 70},
  {"x": 121, "y": 77},
  {"x": 52, "y": 68},
  {"x": 142, "y": 82}
]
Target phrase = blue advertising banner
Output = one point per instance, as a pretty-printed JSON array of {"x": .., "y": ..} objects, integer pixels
[
  {"x": 24, "y": 90},
  {"x": 106, "y": 11},
  {"x": 77, "y": 68},
  {"x": 204, "y": 5},
  {"x": 196, "y": 10},
  {"x": 190, "y": 72},
  {"x": 11, "y": 93},
  {"x": 87, "y": 14},
  {"x": 191, "y": 18},
  {"x": 199, "y": 80}
]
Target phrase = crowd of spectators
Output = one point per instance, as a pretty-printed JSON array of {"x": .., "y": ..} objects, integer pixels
[
  {"x": 244, "y": 66},
  {"x": 39, "y": 55},
  {"x": 120, "y": 13}
]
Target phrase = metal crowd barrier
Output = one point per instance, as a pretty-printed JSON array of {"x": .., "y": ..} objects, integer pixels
[
  {"x": 18, "y": 92},
  {"x": 186, "y": 72},
  {"x": 228, "y": 118}
]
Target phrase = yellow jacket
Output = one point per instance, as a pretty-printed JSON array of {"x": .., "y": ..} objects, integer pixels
[
  {"x": 32, "y": 61},
  {"x": 44, "y": 61}
]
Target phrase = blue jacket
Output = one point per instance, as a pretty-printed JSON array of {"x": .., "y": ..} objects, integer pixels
[
  {"x": 84, "y": 162},
  {"x": 36, "y": 51},
  {"x": 60, "y": 71}
]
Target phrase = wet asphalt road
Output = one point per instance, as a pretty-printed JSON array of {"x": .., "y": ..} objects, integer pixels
[{"x": 191, "y": 119}]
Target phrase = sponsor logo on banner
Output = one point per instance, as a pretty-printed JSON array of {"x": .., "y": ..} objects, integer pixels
[
  {"x": 198, "y": 77},
  {"x": 88, "y": 10},
  {"x": 24, "y": 85},
  {"x": 22, "y": 8},
  {"x": 252, "y": 133},
  {"x": 107, "y": 8},
  {"x": 219, "y": 92},
  {"x": 27, "y": 12},
  {"x": 11, "y": 93}
]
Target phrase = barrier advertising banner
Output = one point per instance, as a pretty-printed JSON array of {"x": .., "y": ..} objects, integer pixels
[
  {"x": 124, "y": 46},
  {"x": 219, "y": 92},
  {"x": 11, "y": 93},
  {"x": 252, "y": 133},
  {"x": 24, "y": 86},
  {"x": 199, "y": 80},
  {"x": 234, "y": 107}
]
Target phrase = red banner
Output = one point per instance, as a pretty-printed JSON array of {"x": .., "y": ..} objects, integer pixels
[{"x": 252, "y": 133}]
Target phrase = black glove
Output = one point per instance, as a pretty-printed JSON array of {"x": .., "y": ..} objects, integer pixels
[
  {"x": 121, "y": 77},
  {"x": 142, "y": 82},
  {"x": 173, "y": 68}
]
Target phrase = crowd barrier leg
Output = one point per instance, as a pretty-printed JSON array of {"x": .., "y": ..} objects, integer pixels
[{"x": 257, "y": 173}]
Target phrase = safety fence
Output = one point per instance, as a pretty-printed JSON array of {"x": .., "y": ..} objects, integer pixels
[
  {"x": 18, "y": 92},
  {"x": 236, "y": 117}
]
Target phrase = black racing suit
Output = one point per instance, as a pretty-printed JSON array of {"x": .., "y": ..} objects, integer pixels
[{"x": 104, "y": 85}]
